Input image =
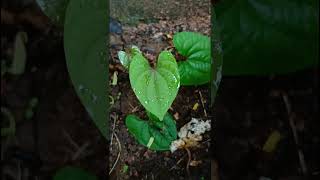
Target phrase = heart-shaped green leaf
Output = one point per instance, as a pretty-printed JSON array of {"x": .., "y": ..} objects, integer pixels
[
  {"x": 85, "y": 43},
  {"x": 268, "y": 36},
  {"x": 196, "y": 47},
  {"x": 155, "y": 88},
  {"x": 154, "y": 134}
]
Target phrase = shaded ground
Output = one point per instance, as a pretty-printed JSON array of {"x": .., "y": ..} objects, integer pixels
[{"x": 248, "y": 109}]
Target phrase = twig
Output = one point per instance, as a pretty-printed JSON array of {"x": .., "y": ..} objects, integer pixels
[
  {"x": 202, "y": 102},
  {"x": 119, "y": 145},
  {"x": 294, "y": 131},
  {"x": 178, "y": 162},
  {"x": 69, "y": 138},
  {"x": 114, "y": 116},
  {"x": 189, "y": 159},
  {"x": 80, "y": 151},
  {"x": 134, "y": 109}
]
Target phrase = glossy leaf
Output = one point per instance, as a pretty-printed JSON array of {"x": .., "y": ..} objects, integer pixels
[
  {"x": 85, "y": 41},
  {"x": 72, "y": 173},
  {"x": 54, "y": 9},
  {"x": 159, "y": 133},
  {"x": 268, "y": 36},
  {"x": 155, "y": 88},
  {"x": 196, "y": 47}
]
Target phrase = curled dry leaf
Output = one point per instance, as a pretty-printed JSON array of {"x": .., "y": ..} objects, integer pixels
[{"x": 191, "y": 134}]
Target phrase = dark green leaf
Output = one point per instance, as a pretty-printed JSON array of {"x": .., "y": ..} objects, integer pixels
[
  {"x": 268, "y": 36},
  {"x": 85, "y": 41},
  {"x": 196, "y": 47},
  {"x": 54, "y": 9},
  {"x": 73, "y": 173},
  {"x": 155, "y": 88},
  {"x": 162, "y": 132},
  {"x": 217, "y": 58}
]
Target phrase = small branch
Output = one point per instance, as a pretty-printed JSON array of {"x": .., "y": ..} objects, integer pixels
[
  {"x": 189, "y": 159},
  {"x": 114, "y": 117},
  {"x": 69, "y": 138},
  {"x": 178, "y": 162},
  {"x": 202, "y": 102},
  {"x": 80, "y": 151},
  {"x": 118, "y": 157},
  {"x": 294, "y": 131}
]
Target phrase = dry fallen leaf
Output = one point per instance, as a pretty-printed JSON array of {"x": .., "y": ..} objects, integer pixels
[
  {"x": 195, "y": 106},
  {"x": 191, "y": 134}
]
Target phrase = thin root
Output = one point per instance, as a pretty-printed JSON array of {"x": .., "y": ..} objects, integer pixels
[
  {"x": 189, "y": 160},
  {"x": 119, "y": 145},
  {"x": 202, "y": 102},
  {"x": 294, "y": 131},
  {"x": 178, "y": 162}
]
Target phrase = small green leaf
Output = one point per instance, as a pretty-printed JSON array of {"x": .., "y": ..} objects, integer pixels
[
  {"x": 125, "y": 168},
  {"x": 154, "y": 135},
  {"x": 54, "y": 9},
  {"x": 155, "y": 88},
  {"x": 73, "y": 173},
  {"x": 135, "y": 50},
  {"x": 124, "y": 59},
  {"x": 196, "y": 47},
  {"x": 85, "y": 43}
]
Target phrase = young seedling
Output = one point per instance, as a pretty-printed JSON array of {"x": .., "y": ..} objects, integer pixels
[{"x": 155, "y": 88}]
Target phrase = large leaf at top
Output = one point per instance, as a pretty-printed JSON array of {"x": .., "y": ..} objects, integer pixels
[
  {"x": 54, "y": 9},
  {"x": 85, "y": 41},
  {"x": 156, "y": 88},
  {"x": 72, "y": 173},
  {"x": 154, "y": 134},
  {"x": 197, "y": 48},
  {"x": 268, "y": 36}
]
